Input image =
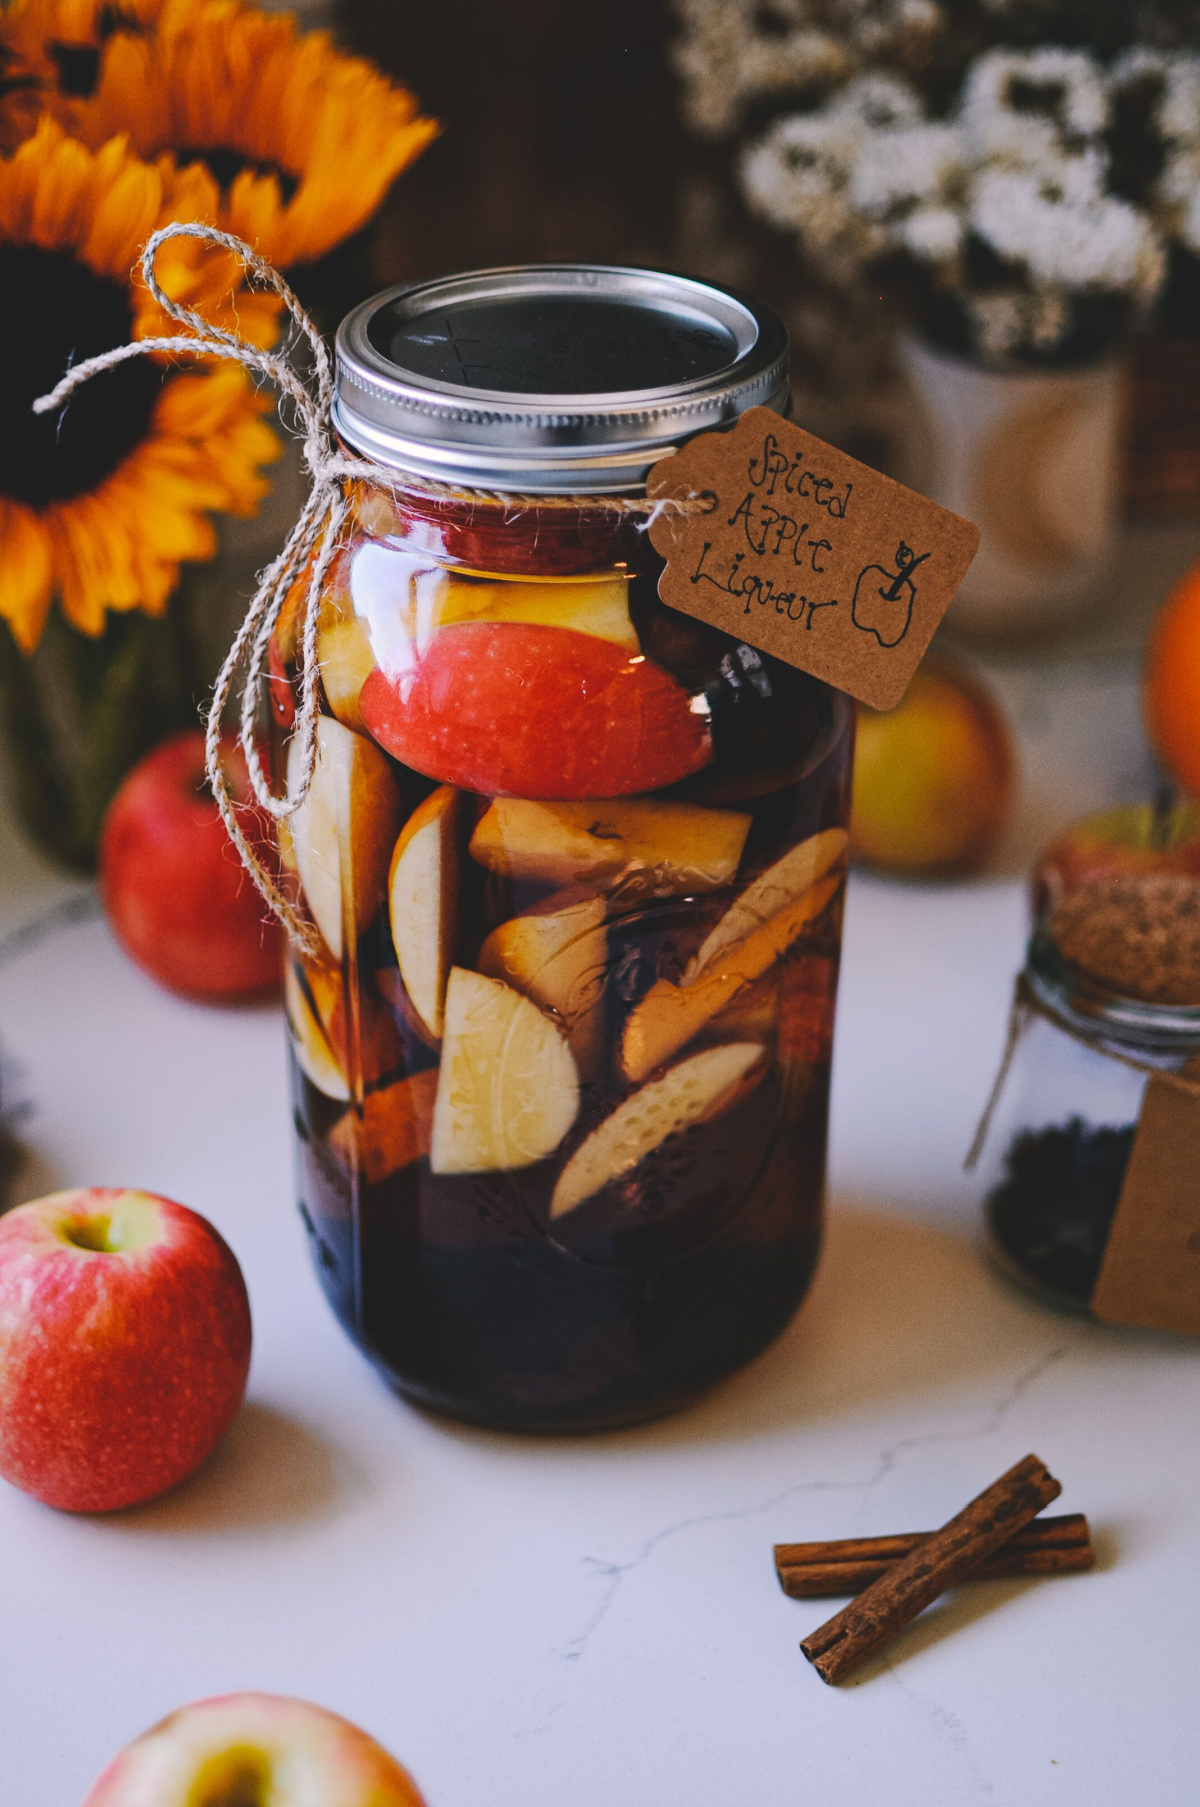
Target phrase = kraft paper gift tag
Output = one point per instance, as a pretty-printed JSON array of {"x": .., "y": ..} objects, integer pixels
[
  {"x": 808, "y": 555},
  {"x": 1150, "y": 1274}
]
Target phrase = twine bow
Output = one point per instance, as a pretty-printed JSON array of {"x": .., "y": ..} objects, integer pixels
[{"x": 315, "y": 536}]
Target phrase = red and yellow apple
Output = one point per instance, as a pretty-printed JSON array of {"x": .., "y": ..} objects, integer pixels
[
  {"x": 934, "y": 778},
  {"x": 507, "y": 707},
  {"x": 174, "y": 889},
  {"x": 124, "y": 1346},
  {"x": 254, "y": 1750}
]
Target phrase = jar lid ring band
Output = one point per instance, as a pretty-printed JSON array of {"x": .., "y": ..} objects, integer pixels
[
  {"x": 314, "y": 537},
  {"x": 1026, "y": 1004}
]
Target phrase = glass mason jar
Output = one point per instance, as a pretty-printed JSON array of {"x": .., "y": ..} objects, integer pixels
[
  {"x": 1060, "y": 1136},
  {"x": 576, "y": 863}
]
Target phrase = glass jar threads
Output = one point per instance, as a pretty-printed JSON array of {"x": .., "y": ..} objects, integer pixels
[
  {"x": 573, "y": 862},
  {"x": 1109, "y": 997}
]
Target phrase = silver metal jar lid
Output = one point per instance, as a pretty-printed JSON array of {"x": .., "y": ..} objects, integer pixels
[{"x": 553, "y": 378}]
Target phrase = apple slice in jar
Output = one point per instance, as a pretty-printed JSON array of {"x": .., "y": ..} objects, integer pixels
[
  {"x": 508, "y": 1090},
  {"x": 392, "y": 1131},
  {"x": 367, "y": 1045},
  {"x": 328, "y": 1051},
  {"x": 511, "y": 708},
  {"x": 423, "y": 902},
  {"x": 282, "y": 650},
  {"x": 674, "y": 847},
  {"x": 689, "y": 1093},
  {"x": 314, "y": 1052},
  {"x": 346, "y": 660},
  {"x": 669, "y": 1015},
  {"x": 772, "y": 894},
  {"x": 556, "y": 955},
  {"x": 591, "y": 605},
  {"x": 807, "y": 987},
  {"x": 755, "y": 1013},
  {"x": 343, "y": 832}
]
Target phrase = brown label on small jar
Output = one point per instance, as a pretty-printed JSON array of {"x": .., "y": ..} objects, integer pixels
[
  {"x": 808, "y": 554},
  {"x": 1150, "y": 1274}
]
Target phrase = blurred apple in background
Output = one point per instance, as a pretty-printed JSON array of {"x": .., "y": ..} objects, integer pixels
[
  {"x": 1171, "y": 682},
  {"x": 251, "y": 1750},
  {"x": 1162, "y": 836},
  {"x": 174, "y": 889},
  {"x": 124, "y": 1346},
  {"x": 934, "y": 778},
  {"x": 1130, "y": 838}
]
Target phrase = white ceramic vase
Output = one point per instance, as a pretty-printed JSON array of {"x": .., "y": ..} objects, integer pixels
[{"x": 1032, "y": 459}]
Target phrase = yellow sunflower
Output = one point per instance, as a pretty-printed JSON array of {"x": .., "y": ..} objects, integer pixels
[
  {"x": 99, "y": 505},
  {"x": 303, "y": 140}
]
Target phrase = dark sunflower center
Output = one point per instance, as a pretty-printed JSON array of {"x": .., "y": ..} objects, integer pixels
[
  {"x": 13, "y": 80},
  {"x": 226, "y": 165},
  {"x": 54, "y": 311},
  {"x": 78, "y": 65}
]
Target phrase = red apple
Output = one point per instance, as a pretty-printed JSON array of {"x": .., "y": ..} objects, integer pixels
[
  {"x": 241, "y": 1749},
  {"x": 508, "y": 708},
  {"x": 493, "y": 536},
  {"x": 1121, "y": 842},
  {"x": 176, "y": 893},
  {"x": 124, "y": 1346}
]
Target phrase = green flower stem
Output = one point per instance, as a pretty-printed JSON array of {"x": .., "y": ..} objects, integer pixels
[{"x": 80, "y": 712}]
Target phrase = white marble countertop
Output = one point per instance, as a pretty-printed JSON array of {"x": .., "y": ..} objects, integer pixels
[{"x": 596, "y": 1621}]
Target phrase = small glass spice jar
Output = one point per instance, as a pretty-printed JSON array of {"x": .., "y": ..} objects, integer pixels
[
  {"x": 573, "y": 863},
  {"x": 1109, "y": 996}
]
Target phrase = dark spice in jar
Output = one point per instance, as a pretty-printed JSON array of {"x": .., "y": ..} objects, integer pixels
[{"x": 1052, "y": 1211}]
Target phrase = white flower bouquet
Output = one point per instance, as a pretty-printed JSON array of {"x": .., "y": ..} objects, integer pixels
[{"x": 1029, "y": 200}]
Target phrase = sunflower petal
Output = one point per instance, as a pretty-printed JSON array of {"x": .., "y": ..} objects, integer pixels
[
  {"x": 214, "y": 75},
  {"x": 26, "y": 572}
]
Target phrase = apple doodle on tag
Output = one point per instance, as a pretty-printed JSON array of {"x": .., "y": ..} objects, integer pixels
[
  {"x": 806, "y": 554},
  {"x": 897, "y": 592}
]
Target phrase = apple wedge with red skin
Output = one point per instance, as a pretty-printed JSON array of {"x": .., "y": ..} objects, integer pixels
[
  {"x": 124, "y": 1346},
  {"x": 510, "y": 708},
  {"x": 175, "y": 892},
  {"x": 239, "y": 1749}
]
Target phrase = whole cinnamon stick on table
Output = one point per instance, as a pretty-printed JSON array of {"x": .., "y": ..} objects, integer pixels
[
  {"x": 845, "y": 1565},
  {"x": 948, "y": 1556}
]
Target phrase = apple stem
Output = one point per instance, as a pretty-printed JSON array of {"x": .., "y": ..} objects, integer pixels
[
  {"x": 1164, "y": 808},
  {"x": 94, "y": 1233}
]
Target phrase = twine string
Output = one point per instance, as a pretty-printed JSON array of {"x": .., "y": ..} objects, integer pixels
[
  {"x": 1026, "y": 1004},
  {"x": 313, "y": 540}
]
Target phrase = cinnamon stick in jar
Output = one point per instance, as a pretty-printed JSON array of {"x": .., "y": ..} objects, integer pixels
[
  {"x": 845, "y": 1565},
  {"x": 914, "y": 1581}
]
